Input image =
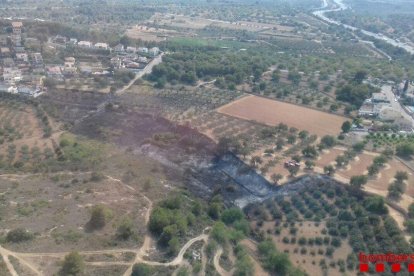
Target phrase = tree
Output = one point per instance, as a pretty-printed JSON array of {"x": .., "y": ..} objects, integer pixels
[
  {"x": 231, "y": 215},
  {"x": 346, "y": 126},
  {"x": 328, "y": 141},
  {"x": 401, "y": 176},
  {"x": 293, "y": 170},
  {"x": 125, "y": 229},
  {"x": 276, "y": 177},
  {"x": 329, "y": 170},
  {"x": 19, "y": 235},
  {"x": 72, "y": 265},
  {"x": 411, "y": 210},
  {"x": 376, "y": 204},
  {"x": 309, "y": 164},
  {"x": 142, "y": 270},
  {"x": 405, "y": 150},
  {"x": 310, "y": 152},
  {"x": 255, "y": 161},
  {"x": 98, "y": 218},
  {"x": 360, "y": 76},
  {"x": 294, "y": 77},
  {"x": 358, "y": 181}
]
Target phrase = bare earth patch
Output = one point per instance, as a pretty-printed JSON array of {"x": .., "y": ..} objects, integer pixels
[{"x": 272, "y": 113}]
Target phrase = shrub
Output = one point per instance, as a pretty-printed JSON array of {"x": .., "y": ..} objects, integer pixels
[
  {"x": 19, "y": 235},
  {"x": 142, "y": 270},
  {"x": 72, "y": 265}
]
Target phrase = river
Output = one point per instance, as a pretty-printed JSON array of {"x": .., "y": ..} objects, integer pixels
[{"x": 338, "y": 5}]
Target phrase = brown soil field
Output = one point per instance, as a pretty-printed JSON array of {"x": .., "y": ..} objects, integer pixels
[
  {"x": 272, "y": 113},
  {"x": 387, "y": 177},
  {"x": 328, "y": 157},
  {"x": 148, "y": 34},
  {"x": 358, "y": 166}
]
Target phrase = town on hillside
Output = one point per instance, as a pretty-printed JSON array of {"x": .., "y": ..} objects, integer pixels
[{"x": 25, "y": 72}]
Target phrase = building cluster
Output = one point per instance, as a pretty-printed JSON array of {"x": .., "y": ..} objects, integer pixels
[
  {"x": 130, "y": 58},
  {"x": 380, "y": 107},
  {"x": 21, "y": 70},
  {"x": 406, "y": 90}
]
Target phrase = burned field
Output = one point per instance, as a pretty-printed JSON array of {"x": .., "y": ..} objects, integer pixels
[{"x": 181, "y": 150}]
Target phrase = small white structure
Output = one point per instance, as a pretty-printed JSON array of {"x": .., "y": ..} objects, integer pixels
[
  {"x": 154, "y": 51},
  {"x": 85, "y": 44},
  {"x": 102, "y": 46},
  {"x": 70, "y": 65},
  {"x": 130, "y": 49},
  {"x": 12, "y": 75},
  {"x": 143, "y": 50}
]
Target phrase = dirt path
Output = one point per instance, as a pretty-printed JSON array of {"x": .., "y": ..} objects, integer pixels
[
  {"x": 139, "y": 253},
  {"x": 5, "y": 256},
  {"x": 217, "y": 266}
]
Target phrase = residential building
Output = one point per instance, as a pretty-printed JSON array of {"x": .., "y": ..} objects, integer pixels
[
  {"x": 22, "y": 57},
  {"x": 5, "y": 52},
  {"x": 16, "y": 35},
  {"x": 102, "y": 46},
  {"x": 143, "y": 50},
  {"x": 116, "y": 62},
  {"x": 54, "y": 72},
  {"x": 37, "y": 60},
  {"x": 70, "y": 65},
  {"x": 11, "y": 76},
  {"x": 154, "y": 51},
  {"x": 119, "y": 48},
  {"x": 73, "y": 41},
  {"x": 130, "y": 49},
  {"x": 85, "y": 44},
  {"x": 6, "y": 88},
  {"x": 379, "y": 98},
  {"x": 142, "y": 60},
  {"x": 59, "y": 39}
]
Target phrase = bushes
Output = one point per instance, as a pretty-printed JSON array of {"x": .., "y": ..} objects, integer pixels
[
  {"x": 99, "y": 216},
  {"x": 142, "y": 270},
  {"x": 73, "y": 265},
  {"x": 19, "y": 235},
  {"x": 405, "y": 150}
]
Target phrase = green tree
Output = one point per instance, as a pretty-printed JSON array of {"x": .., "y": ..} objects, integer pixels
[
  {"x": 401, "y": 176},
  {"x": 19, "y": 235},
  {"x": 405, "y": 150},
  {"x": 98, "y": 217},
  {"x": 142, "y": 270},
  {"x": 310, "y": 152},
  {"x": 346, "y": 126},
  {"x": 328, "y": 141},
  {"x": 125, "y": 229},
  {"x": 358, "y": 181},
  {"x": 329, "y": 170},
  {"x": 411, "y": 210},
  {"x": 72, "y": 265},
  {"x": 276, "y": 177}
]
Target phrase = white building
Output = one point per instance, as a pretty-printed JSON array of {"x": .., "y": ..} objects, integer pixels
[
  {"x": 130, "y": 49},
  {"x": 85, "y": 44},
  {"x": 70, "y": 65},
  {"x": 154, "y": 51},
  {"x": 12, "y": 75},
  {"x": 102, "y": 46},
  {"x": 143, "y": 50}
]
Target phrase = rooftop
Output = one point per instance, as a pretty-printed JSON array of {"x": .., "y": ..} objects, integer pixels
[{"x": 17, "y": 24}]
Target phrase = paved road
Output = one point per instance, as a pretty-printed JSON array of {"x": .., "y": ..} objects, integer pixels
[
  {"x": 140, "y": 74},
  {"x": 387, "y": 90}
]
